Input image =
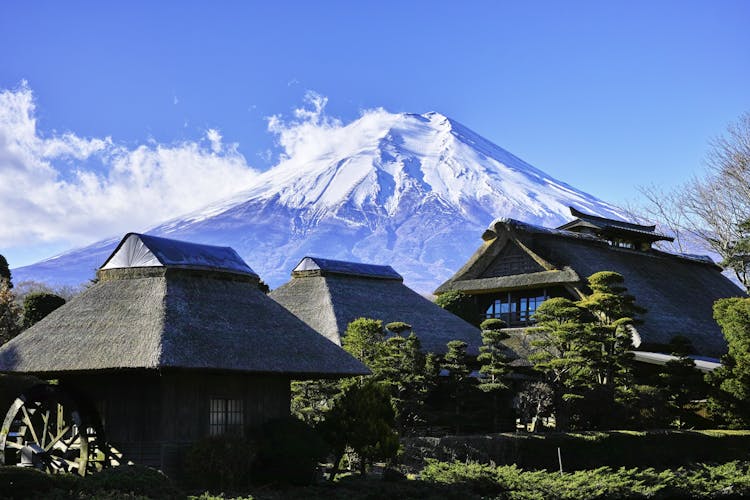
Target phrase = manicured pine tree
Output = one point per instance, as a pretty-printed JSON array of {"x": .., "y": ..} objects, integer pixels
[
  {"x": 609, "y": 328},
  {"x": 458, "y": 381},
  {"x": 363, "y": 420},
  {"x": 311, "y": 399},
  {"x": 559, "y": 353},
  {"x": 494, "y": 363},
  {"x": 363, "y": 339},
  {"x": 680, "y": 382},
  {"x": 404, "y": 370},
  {"x": 398, "y": 327}
]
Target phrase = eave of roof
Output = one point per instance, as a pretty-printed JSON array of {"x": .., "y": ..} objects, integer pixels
[{"x": 513, "y": 282}]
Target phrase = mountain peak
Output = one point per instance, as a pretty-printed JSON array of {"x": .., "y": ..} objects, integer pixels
[{"x": 414, "y": 191}]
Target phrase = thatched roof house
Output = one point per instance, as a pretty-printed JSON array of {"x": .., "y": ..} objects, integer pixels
[
  {"x": 329, "y": 294},
  {"x": 519, "y": 265},
  {"x": 162, "y": 303},
  {"x": 175, "y": 342}
]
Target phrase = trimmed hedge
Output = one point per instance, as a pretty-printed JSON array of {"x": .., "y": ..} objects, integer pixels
[
  {"x": 125, "y": 482},
  {"x": 584, "y": 450},
  {"x": 730, "y": 480}
]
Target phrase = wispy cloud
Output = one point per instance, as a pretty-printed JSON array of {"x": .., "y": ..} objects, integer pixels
[
  {"x": 72, "y": 189},
  {"x": 312, "y": 133}
]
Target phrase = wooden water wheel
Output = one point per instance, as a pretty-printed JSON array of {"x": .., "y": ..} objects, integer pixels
[{"x": 48, "y": 429}]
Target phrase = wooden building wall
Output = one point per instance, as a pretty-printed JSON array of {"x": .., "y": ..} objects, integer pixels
[{"x": 152, "y": 418}]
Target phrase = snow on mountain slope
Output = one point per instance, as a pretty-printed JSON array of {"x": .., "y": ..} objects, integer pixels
[{"x": 413, "y": 191}]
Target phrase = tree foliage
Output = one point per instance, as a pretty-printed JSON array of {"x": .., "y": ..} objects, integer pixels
[
  {"x": 38, "y": 305},
  {"x": 458, "y": 382},
  {"x": 398, "y": 327},
  {"x": 407, "y": 374},
  {"x": 363, "y": 339},
  {"x": 460, "y": 304},
  {"x": 5, "y": 272},
  {"x": 10, "y": 313},
  {"x": 612, "y": 314},
  {"x": 494, "y": 368},
  {"x": 715, "y": 207},
  {"x": 583, "y": 349},
  {"x": 730, "y": 399},
  {"x": 560, "y": 352},
  {"x": 362, "y": 419}
]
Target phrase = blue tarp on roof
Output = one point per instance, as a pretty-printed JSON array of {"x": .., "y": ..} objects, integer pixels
[
  {"x": 344, "y": 267},
  {"x": 143, "y": 250}
]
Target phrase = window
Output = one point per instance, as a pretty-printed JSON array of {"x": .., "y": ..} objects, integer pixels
[
  {"x": 225, "y": 416},
  {"x": 622, "y": 244},
  {"x": 516, "y": 308}
]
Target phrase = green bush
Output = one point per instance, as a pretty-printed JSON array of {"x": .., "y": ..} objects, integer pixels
[
  {"x": 219, "y": 463},
  {"x": 585, "y": 450},
  {"x": 22, "y": 483},
  {"x": 289, "y": 451},
  {"x": 730, "y": 480},
  {"x": 135, "y": 480}
]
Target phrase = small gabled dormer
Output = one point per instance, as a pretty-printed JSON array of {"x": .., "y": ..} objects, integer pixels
[{"x": 617, "y": 233}]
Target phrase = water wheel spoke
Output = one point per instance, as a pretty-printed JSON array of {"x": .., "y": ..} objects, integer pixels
[
  {"x": 57, "y": 439},
  {"x": 46, "y": 430},
  {"x": 15, "y": 446},
  {"x": 29, "y": 424}
]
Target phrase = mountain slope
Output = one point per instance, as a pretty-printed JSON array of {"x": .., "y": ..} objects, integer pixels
[{"x": 412, "y": 191}]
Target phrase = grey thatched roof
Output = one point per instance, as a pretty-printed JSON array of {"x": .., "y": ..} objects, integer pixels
[
  {"x": 143, "y": 250},
  {"x": 175, "y": 317},
  {"x": 317, "y": 265},
  {"x": 678, "y": 291},
  {"x": 329, "y": 302}
]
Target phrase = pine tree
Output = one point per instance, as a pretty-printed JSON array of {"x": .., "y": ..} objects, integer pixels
[
  {"x": 10, "y": 313},
  {"x": 362, "y": 419},
  {"x": 311, "y": 399},
  {"x": 458, "y": 381},
  {"x": 730, "y": 396},
  {"x": 5, "y": 271},
  {"x": 610, "y": 327},
  {"x": 494, "y": 363},
  {"x": 404, "y": 370},
  {"x": 363, "y": 339},
  {"x": 560, "y": 351}
]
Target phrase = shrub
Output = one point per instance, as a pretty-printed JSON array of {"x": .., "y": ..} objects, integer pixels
[
  {"x": 219, "y": 463},
  {"x": 135, "y": 480},
  {"x": 21, "y": 482},
  {"x": 289, "y": 451}
]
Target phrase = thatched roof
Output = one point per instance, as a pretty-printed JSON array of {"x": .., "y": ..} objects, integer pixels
[
  {"x": 310, "y": 266},
  {"x": 184, "y": 316},
  {"x": 144, "y": 250},
  {"x": 678, "y": 291},
  {"x": 329, "y": 301}
]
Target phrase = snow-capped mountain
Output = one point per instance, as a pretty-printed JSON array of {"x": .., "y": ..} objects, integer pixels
[{"x": 413, "y": 191}]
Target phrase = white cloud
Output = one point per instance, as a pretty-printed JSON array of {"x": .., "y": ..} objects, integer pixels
[
  {"x": 214, "y": 137},
  {"x": 130, "y": 189},
  {"x": 314, "y": 134}
]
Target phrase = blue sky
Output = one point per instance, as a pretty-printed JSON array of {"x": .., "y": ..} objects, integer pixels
[{"x": 603, "y": 95}]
